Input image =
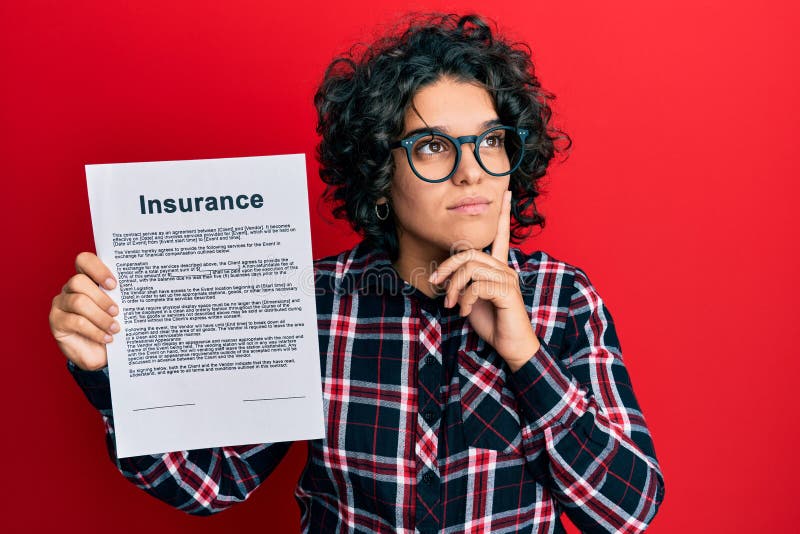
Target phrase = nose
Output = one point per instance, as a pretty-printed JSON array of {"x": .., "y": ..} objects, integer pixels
[{"x": 469, "y": 170}]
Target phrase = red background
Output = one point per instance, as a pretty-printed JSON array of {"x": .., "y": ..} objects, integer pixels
[{"x": 677, "y": 200}]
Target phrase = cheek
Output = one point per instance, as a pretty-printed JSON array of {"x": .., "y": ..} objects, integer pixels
[{"x": 415, "y": 206}]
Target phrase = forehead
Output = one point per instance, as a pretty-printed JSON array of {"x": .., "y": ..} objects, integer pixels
[{"x": 458, "y": 106}]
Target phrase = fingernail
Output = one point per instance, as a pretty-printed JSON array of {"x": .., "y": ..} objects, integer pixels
[
  {"x": 114, "y": 327},
  {"x": 109, "y": 283},
  {"x": 433, "y": 276},
  {"x": 113, "y": 310},
  {"x": 107, "y": 338}
]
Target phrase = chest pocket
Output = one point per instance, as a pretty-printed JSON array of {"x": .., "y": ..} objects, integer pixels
[{"x": 488, "y": 408}]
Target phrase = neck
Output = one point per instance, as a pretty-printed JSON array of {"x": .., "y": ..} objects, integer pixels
[{"x": 416, "y": 264}]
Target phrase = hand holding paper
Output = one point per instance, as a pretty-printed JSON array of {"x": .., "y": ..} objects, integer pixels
[{"x": 82, "y": 316}]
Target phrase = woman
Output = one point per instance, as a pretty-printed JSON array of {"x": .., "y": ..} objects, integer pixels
[{"x": 467, "y": 385}]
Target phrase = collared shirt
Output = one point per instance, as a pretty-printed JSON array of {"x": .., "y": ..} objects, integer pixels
[{"x": 426, "y": 427}]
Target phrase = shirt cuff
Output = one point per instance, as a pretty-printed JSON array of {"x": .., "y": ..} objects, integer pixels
[
  {"x": 95, "y": 385},
  {"x": 547, "y": 394}
]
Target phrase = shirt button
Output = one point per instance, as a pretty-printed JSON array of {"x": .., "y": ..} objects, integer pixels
[
  {"x": 430, "y": 359},
  {"x": 430, "y": 416},
  {"x": 428, "y": 477}
]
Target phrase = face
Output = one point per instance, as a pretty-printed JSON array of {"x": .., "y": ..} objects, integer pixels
[{"x": 428, "y": 225}]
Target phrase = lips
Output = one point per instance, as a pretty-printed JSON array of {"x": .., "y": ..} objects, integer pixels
[{"x": 469, "y": 201}]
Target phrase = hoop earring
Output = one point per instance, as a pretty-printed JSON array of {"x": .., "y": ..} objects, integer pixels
[{"x": 378, "y": 215}]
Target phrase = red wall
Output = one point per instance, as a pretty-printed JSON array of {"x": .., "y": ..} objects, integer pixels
[{"x": 678, "y": 200}]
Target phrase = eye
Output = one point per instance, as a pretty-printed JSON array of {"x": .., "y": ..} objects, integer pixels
[
  {"x": 494, "y": 140},
  {"x": 431, "y": 146}
]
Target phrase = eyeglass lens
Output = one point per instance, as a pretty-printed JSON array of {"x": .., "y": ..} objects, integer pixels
[{"x": 434, "y": 156}]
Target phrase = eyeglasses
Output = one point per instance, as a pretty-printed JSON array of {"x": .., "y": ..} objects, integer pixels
[{"x": 434, "y": 156}]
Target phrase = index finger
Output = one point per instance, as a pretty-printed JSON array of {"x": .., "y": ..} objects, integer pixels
[
  {"x": 500, "y": 243},
  {"x": 90, "y": 265}
]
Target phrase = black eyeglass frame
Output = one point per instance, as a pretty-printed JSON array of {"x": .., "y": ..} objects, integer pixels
[{"x": 408, "y": 143}]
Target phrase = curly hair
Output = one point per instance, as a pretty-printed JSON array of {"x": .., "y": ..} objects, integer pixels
[{"x": 362, "y": 100}]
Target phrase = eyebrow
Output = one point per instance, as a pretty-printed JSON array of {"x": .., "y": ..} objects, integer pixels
[{"x": 491, "y": 122}]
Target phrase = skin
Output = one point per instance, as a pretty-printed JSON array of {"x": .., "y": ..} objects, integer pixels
[
  {"x": 82, "y": 315},
  {"x": 439, "y": 248}
]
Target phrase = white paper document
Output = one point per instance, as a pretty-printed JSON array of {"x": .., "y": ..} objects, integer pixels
[{"x": 219, "y": 342}]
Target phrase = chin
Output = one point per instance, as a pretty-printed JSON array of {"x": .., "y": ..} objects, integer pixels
[{"x": 464, "y": 243}]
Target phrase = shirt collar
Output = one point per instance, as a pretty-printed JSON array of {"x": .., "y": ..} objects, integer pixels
[
  {"x": 369, "y": 265},
  {"x": 372, "y": 267}
]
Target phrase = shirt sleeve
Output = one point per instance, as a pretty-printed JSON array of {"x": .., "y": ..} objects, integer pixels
[
  {"x": 598, "y": 458},
  {"x": 200, "y": 481}
]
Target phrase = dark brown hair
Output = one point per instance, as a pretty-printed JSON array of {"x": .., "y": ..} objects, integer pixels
[{"x": 362, "y": 100}]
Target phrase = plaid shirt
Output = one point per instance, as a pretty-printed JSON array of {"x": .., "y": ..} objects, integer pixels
[{"x": 428, "y": 430}]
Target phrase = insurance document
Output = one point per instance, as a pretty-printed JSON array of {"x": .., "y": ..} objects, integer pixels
[{"x": 218, "y": 343}]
